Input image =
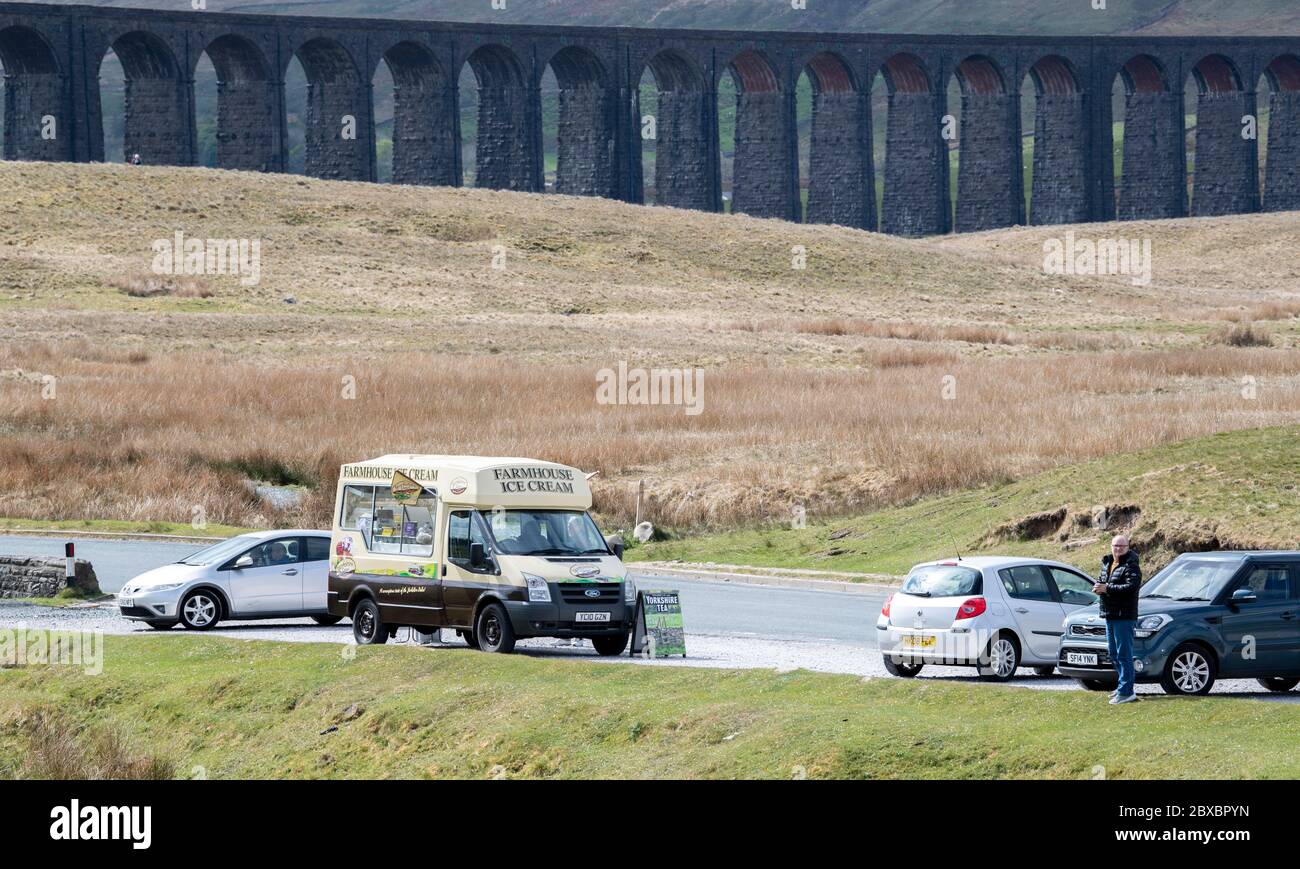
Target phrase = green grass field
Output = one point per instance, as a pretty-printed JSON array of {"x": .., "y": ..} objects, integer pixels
[
  {"x": 223, "y": 708},
  {"x": 1233, "y": 491}
]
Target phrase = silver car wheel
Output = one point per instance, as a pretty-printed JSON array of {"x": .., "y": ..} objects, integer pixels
[
  {"x": 1002, "y": 658},
  {"x": 1191, "y": 671},
  {"x": 200, "y": 610}
]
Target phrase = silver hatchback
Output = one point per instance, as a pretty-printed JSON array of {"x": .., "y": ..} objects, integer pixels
[{"x": 262, "y": 575}]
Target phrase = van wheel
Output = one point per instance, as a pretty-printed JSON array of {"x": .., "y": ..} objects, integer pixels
[
  {"x": 1279, "y": 683},
  {"x": 901, "y": 669},
  {"x": 1189, "y": 670},
  {"x": 468, "y": 637},
  {"x": 610, "y": 646},
  {"x": 326, "y": 621},
  {"x": 493, "y": 630},
  {"x": 1044, "y": 671},
  {"x": 368, "y": 629},
  {"x": 1003, "y": 657},
  {"x": 1096, "y": 685},
  {"x": 200, "y": 611}
]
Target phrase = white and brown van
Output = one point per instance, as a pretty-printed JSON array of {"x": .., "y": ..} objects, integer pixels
[{"x": 498, "y": 549}]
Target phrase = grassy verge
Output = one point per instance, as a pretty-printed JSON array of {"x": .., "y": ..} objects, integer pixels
[
  {"x": 118, "y": 526},
  {"x": 1231, "y": 491},
  {"x": 287, "y": 710}
]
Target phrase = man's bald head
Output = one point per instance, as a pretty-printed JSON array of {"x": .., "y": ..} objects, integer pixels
[{"x": 1119, "y": 545}]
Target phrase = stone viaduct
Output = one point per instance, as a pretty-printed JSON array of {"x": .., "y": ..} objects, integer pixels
[{"x": 52, "y": 54}]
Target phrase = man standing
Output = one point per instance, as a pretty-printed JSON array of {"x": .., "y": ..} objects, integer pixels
[{"x": 1117, "y": 588}]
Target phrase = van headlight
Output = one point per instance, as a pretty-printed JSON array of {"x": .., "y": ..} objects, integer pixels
[
  {"x": 629, "y": 591},
  {"x": 539, "y": 591},
  {"x": 1148, "y": 625}
]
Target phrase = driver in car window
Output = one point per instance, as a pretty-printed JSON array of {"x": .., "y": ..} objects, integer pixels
[
  {"x": 278, "y": 553},
  {"x": 530, "y": 535}
]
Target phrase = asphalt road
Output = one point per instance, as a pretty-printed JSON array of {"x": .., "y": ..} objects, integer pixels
[{"x": 731, "y": 625}]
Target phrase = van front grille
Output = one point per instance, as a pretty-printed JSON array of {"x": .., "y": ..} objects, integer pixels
[{"x": 576, "y": 592}]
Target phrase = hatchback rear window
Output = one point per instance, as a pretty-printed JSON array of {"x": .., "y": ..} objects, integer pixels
[{"x": 943, "y": 580}]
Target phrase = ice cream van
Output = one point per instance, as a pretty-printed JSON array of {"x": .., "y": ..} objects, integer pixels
[{"x": 498, "y": 549}]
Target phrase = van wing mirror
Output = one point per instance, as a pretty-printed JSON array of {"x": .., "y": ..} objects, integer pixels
[
  {"x": 477, "y": 555},
  {"x": 1244, "y": 595},
  {"x": 615, "y": 544}
]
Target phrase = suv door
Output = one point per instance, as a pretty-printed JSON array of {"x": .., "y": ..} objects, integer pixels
[
  {"x": 315, "y": 574},
  {"x": 1260, "y": 635},
  {"x": 1035, "y": 609},
  {"x": 267, "y": 578}
]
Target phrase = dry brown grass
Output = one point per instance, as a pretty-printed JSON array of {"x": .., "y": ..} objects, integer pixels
[
  {"x": 1244, "y": 334},
  {"x": 823, "y": 385},
  {"x": 154, "y": 440},
  {"x": 143, "y": 285},
  {"x": 60, "y": 750}
]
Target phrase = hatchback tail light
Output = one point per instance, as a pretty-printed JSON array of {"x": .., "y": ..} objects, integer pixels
[
  {"x": 884, "y": 610},
  {"x": 971, "y": 607}
]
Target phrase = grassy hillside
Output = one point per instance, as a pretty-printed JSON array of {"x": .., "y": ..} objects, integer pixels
[
  {"x": 885, "y": 371},
  {"x": 220, "y": 708},
  {"x": 1060, "y": 17},
  {"x": 1229, "y": 491}
]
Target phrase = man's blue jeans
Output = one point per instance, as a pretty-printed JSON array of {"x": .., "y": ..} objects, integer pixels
[{"x": 1119, "y": 643}]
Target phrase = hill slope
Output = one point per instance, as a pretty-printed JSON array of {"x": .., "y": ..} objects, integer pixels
[
  {"x": 1053, "y": 17},
  {"x": 885, "y": 370}
]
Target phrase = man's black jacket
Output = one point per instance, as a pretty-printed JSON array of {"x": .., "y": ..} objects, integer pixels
[{"x": 1122, "y": 586}]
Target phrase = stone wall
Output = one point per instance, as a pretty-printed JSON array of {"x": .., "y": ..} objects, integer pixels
[
  {"x": 916, "y": 179},
  {"x": 1225, "y": 179},
  {"x": 246, "y": 127},
  {"x": 156, "y": 122},
  {"x": 990, "y": 188},
  {"x": 1152, "y": 183},
  {"x": 43, "y": 576},
  {"x": 1060, "y": 191},
  {"x": 585, "y": 142},
  {"x": 764, "y": 183},
  {"x": 683, "y": 151},
  {"x": 328, "y": 153},
  {"x": 841, "y": 189},
  {"x": 1282, "y": 163},
  {"x": 28, "y": 100},
  {"x": 501, "y": 160}
]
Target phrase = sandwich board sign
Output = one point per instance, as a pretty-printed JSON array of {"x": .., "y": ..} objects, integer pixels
[{"x": 657, "y": 630}]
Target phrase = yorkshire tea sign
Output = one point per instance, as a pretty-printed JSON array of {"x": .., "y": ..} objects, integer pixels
[{"x": 658, "y": 631}]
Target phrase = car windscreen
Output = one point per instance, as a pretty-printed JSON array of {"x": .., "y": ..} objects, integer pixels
[
  {"x": 545, "y": 532},
  {"x": 943, "y": 580},
  {"x": 218, "y": 552},
  {"x": 1191, "y": 579}
]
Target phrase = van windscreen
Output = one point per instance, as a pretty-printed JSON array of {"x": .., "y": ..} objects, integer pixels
[{"x": 545, "y": 532}]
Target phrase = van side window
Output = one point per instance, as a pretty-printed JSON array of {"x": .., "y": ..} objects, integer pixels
[
  {"x": 401, "y": 526},
  {"x": 358, "y": 506},
  {"x": 462, "y": 530}
]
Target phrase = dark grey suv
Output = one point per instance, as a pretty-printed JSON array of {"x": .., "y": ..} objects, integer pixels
[{"x": 1207, "y": 616}]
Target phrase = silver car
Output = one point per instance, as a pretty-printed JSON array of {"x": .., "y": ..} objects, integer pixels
[{"x": 262, "y": 575}]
